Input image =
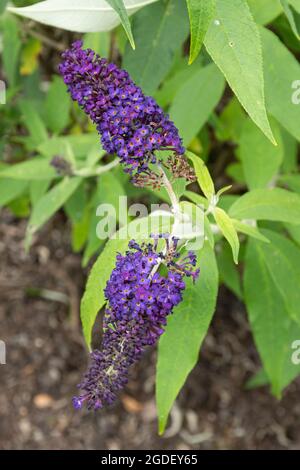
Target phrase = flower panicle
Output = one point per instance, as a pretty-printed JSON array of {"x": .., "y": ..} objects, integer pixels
[
  {"x": 139, "y": 300},
  {"x": 131, "y": 124}
]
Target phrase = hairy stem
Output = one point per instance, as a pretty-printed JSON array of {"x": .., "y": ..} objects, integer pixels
[
  {"x": 170, "y": 191},
  {"x": 175, "y": 209}
]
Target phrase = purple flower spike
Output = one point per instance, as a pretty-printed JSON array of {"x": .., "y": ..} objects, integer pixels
[
  {"x": 139, "y": 299},
  {"x": 131, "y": 124}
]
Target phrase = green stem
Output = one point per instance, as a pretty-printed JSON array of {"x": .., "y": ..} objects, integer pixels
[
  {"x": 87, "y": 172},
  {"x": 170, "y": 191}
]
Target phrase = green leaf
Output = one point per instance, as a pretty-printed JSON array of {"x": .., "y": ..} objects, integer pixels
[
  {"x": 290, "y": 145},
  {"x": 264, "y": 12},
  {"x": 227, "y": 201},
  {"x": 274, "y": 331},
  {"x": 192, "y": 225},
  {"x": 186, "y": 329},
  {"x": 20, "y": 206},
  {"x": 57, "y": 106},
  {"x": 230, "y": 122},
  {"x": 208, "y": 232},
  {"x": 223, "y": 190},
  {"x": 229, "y": 274},
  {"x": 283, "y": 30},
  {"x": 282, "y": 259},
  {"x": 108, "y": 191},
  {"x": 259, "y": 379},
  {"x": 236, "y": 172},
  {"x": 11, "y": 49},
  {"x": 290, "y": 14},
  {"x": 156, "y": 39},
  {"x": 33, "y": 122},
  {"x": 50, "y": 203},
  {"x": 3, "y": 6},
  {"x": 94, "y": 244},
  {"x": 295, "y": 4},
  {"x": 268, "y": 204},
  {"x": 234, "y": 44},
  {"x": 261, "y": 160},
  {"x": 292, "y": 181},
  {"x": 294, "y": 232},
  {"x": 195, "y": 100},
  {"x": 196, "y": 198},
  {"x": 76, "y": 204},
  {"x": 170, "y": 86},
  {"x": 200, "y": 13},
  {"x": 99, "y": 42},
  {"x": 95, "y": 154},
  {"x": 80, "y": 231},
  {"x": 179, "y": 186},
  {"x": 119, "y": 7},
  {"x": 80, "y": 144},
  {"x": 249, "y": 230},
  {"x": 77, "y": 210},
  {"x": 34, "y": 169},
  {"x": 281, "y": 71},
  {"x": 203, "y": 177},
  {"x": 10, "y": 189},
  {"x": 37, "y": 189},
  {"x": 93, "y": 299},
  {"x": 226, "y": 226}
]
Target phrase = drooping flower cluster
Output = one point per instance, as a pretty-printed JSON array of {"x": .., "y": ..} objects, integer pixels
[
  {"x": 131, "y": 124},
  {"x": 139, "y": 299}
]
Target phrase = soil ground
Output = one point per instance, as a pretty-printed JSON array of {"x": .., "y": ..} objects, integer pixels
[{"x": 39, "y": 303}]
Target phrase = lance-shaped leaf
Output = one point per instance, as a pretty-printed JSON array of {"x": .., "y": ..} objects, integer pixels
[
  {"x": 226, "y": 226},
  {"x": 282, "y": 259},
  {"x": 268, "y": 204},
  {"x": 264, "y": 12},
  {"x": 261, "y": 160},
  {"x": 10, "y": 189},
  {"x": 50, "y": 203},
  {"x": 291, "y": 16},
  {"x": 200, "y": 13},
  {"x": 273, "y": 329},
  {"x": 195, "y": 101},
  {"x": 119, "y": 7},
  {"x": 203, "y": 177},
  {"x": 228, "y": 271},
  {"x": 234, "y": 44},
  {"x": 33, "y": 169},
  {"x": 282, "y": 72},
  {"x": 57, "y": 106},
  {"x": 159, "y": 31},
  {"x": 250, "y": 230}
]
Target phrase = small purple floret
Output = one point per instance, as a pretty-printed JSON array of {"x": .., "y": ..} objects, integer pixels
[{"x": 77, "y": 402}]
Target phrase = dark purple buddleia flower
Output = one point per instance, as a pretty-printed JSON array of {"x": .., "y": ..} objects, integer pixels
[
  {"x": 131, "y": 124},
  {"x": 139, "y": 299}
]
